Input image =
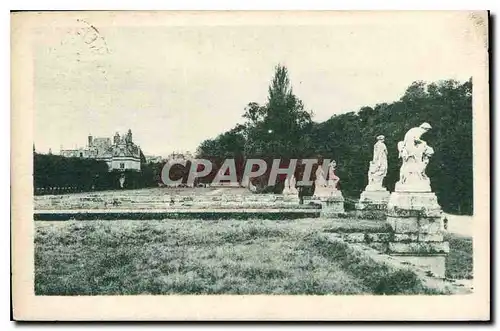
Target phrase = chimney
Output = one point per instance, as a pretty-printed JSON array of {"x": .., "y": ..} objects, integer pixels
[{"x": 90, "y": 141}]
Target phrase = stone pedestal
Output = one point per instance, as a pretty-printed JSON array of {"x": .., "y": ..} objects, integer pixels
[
  {"x": 332, "y": 206},
  {"x": 291, "y": 196},
  {"x": 373, "y": 203},
  {"x": 331, "y": 201},
  {"x": 292, "y": 199},
  {"x": 416, "y": 219}
]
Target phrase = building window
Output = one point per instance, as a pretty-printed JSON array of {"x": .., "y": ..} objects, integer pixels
[{"x": 122, "y": 165}]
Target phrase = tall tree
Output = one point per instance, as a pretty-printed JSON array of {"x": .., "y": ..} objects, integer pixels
[{"x": 281, "y": 127}]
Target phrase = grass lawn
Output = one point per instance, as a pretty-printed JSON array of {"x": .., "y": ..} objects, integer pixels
[
  {"x": 459, "y": 263},
  {"x": 207, "y": 257}
]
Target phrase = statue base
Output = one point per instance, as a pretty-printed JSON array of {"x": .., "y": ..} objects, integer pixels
[
  {"x": 373, "y": 203},
  {"x": 226, "y": 184},
  {"x": 414, "y": 185},
  {"x": 413, "y": 204},
  {"x": 290, "y": 191},
  {"x": 416, "y": 220},
  {"x": 291, "y": 195},
  {"x": 331, "y": 201}
]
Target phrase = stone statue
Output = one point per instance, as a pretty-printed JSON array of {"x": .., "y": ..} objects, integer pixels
[
  {"x": 326, "y": 192},
  {"x": 293, "y": 184},
  {"x": 116, "y": 138},
  {"x": 286, "y": 188},
  {"x": 290, "y": 185},
  {"x": 128, "y": 137},
  {"x": 122, "y": 180},
  {"x": 414, "y": 209},
  {"x": 415, "y": 154},
  {"x": 332, "y": 178},
  {"x": 378, "y": 166},
  {"x": 251, "y": 186},
  {"x": 373, "y": 200},
  {"x": 320, "y": 177}
]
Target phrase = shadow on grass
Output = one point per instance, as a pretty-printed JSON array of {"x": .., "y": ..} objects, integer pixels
[
  {"x": 354, "y": 225},
  {"x": 377, "y": 277}
]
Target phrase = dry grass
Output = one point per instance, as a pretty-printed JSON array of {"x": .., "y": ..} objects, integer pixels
[{"x": 204, "y": 257}]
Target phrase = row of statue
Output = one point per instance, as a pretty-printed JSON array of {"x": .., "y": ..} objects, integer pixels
[
  {"x": 320, "y": 182},
  {"x": 125, "y": 139},
  {"x": 413, "y": 151},
  {"x": 415, "y": 154}
]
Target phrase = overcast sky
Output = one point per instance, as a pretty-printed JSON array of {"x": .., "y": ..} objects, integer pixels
[{"x": 175, "y": 86}]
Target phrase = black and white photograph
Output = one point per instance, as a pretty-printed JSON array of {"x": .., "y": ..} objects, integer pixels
[{"x": 310, "y": 155}]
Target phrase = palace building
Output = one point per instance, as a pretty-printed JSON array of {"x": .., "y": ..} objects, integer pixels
[{"x": 121, "y": 154}]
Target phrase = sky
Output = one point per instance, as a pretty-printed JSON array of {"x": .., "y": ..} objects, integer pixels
[{"x": 177, "y": 85}]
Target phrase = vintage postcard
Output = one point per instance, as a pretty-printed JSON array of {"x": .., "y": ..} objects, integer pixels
[{"x": 281, "y": 165}]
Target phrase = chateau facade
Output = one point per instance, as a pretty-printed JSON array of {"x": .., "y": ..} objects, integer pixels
[{"x": 121, "y": 154}]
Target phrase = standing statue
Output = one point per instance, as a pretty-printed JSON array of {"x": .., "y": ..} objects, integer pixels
[
  {"x": 378, "y": 166},
  {"x": 290, "y": 184},
  {"x": 326, "y": 191},
  {"x": 286, "y": 188},
  {"x": 121, "y": 180},
  {"x": 128, "y": 137},
  {"x": 415, "y": 154},
  {"x": 293, "y": 185},
  {"x": 116, "y": 138},
  {"x": 320, "y": 177},
  {"x": 332, "y": 178}
]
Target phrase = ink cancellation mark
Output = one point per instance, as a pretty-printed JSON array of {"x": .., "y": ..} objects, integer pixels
[{"x": 84, "y": 43}]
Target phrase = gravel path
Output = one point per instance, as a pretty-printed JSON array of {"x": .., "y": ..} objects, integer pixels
[{"x": 460, "y": 224}]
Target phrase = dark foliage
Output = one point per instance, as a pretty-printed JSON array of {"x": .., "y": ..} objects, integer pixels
[
  {"x": 73, "y": 174},
  {"x": 54, "y": 174}
]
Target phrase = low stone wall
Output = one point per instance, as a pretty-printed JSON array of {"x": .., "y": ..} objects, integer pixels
[
  {"x": 215, "y": 205},
  {"x": 94, "y": 201},
  {"x": 391, "y": 239}
]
